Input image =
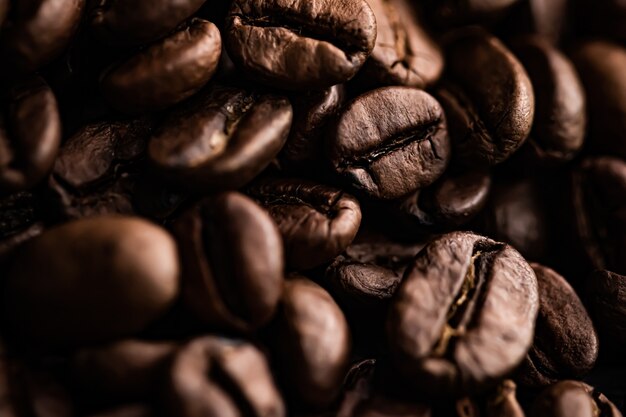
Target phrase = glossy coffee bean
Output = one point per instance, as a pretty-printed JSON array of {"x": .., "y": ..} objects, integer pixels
[
  {"x": 30, "y": 134},
  {"x": 221, "y": 139},
  {"x": 487, "y": 96},
  {"x": 310, "y": 343},
  {"x": 36, "y": 31},
  {"x": 404, "y": 53},
  {"x": 303, "y": 44},
  {"x": 216, "y": 376},
  {"x": 560, "y": 113},
  {"x": 500, "y": 402},
  {"x": 606, "y": 292},
  {"x": 566, "y": 343},
  {"x": 464, "y": 315},
  {"x": 389, "y": 142},
  {"x": 600, "y": 65},
  {"x": 573, "y": 399},
  {"x": 133, "y": 22},
  {"x": 316, "y": 222},
  {"x": 91, "y": 280},
  {"x": 167, "y": 72},
  {"x": 232, "y": 261}
]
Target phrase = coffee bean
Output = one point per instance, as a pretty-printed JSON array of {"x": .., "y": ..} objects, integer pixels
[
  {"x": 215, "y": 376},
  {"x": 91, "y": 280},
  {"x": 303, "y": 44},
  {"x": 500, "y": 402},
  {"x": 606, "y": 292},
  {"x": 390, "y": 142},
  {"x": 167, "y": 72},
  {"x": 30, "y": 134},
  {"x": 310, "y": 343},
  {"x": 548, "y": 19},
  {"x": 573, "y": 398},
  {"x": 221, "y": 139},
  {"x": 232, "y": 262},
  {"x": 566, "y": 343},
  {"x": 600, "y": 65},
  {"x": 464, "y": 315},
  {"x": 133, "y": 22},
  {"x": 560, "y": 118},
  {"x": 317, "y": 222},
  {"x": 37, "y": 31},
  {"x": 404, "y": 53},
  {"x": 450, "y": 13},
  {"x": 487, "y": 97}
]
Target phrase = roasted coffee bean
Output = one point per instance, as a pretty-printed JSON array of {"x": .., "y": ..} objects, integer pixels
[
  {"x": 501, "y": 402},
  {"x": 390, "y": 142},
  {"x": 133, "y": 22},
  {"x": 566, "y": 343},
  {"x": 449, "y": 203},
  {"x": 91, "y": 280},
  {"x": 302, "y": 44},
  {"x": 221, "y": 139},
  {"x": 310, "y": 343},
  {"x": 214, "y": 376},
  {"x": 548, "y": 19},
  {"x": 30, "y": 134},
  {"x": 464, "y": 315},
  {"x": 487, "y": 97},
  {"x": 606, "y": 292},
  {"x": 601, "y": 68},
  {"x": 449, "y": 13},
  {"x": 317, "y": 222},
  {"x": 167, "y": 72},
  {"x": 404, "y": 53},
  {"x": 304, "y": 149},
  {"x": 232, "y": 262},
  {"x": 128, "y": 370},
  {"x": 560, "y": 118},
  {"x": 573, "y": 399},
  {"x": 37, "y": 31}
]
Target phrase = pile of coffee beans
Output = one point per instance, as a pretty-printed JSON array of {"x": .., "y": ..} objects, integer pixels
[{"x": 312, "y": 208}]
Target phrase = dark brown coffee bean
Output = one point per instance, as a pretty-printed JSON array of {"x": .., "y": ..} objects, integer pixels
[
  {"x": 566, "y": 343},
  {"x": 310, "y": 343},
  {"x": 487, "y": 96},
  {"x": 500, "y": 402},
  {"x": 573, "y": 399},
  {"x": 547, "y": 19},
  {"x": 91, "y": 280},
  {"x": 317, "y": 222},
  {"x": 167, "y": 72},
  {"x": 601, "y": 68},
  {"x": 390, "y": 142},
  {"x": 37, "y": 31},
  {"x": 30, "y": 134},
  {"x": 128, "y": 370},
  {"x": 132, "y": 22},
  {"x": 560, "y": 119},
  {"x": 463, "y": 316},
  {"x": 606, "y": 292},
  {"x": 451, "y": 13},
  {"x": 303, "y": 44},
  {"x": 232, "y": 262},
  {"x": 404, "y": 53},
  {"x": 212, "y": 376},
  {"x": 221, "y": 139}
]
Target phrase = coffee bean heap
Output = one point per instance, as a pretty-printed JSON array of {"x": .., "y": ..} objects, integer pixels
[{"x": 312, "y": 208}]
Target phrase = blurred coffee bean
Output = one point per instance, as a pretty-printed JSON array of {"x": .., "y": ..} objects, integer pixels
[
  {"x": 134, "y": 410},
  {"x": 464, "y": 315},
  {"x": 500, "y": 402},
  {"x": 565, "y": 344},
  {"x": 389, "y": 142},
  {"x": 606, "y": 292},
  {"x": 30, "y": 134},
  {"x": 91, "y": 281},
  {"x": 310, "y": 343},
  {"x": 487, "y": 96},
  {"x": 221, "y": 139},
  {"x": 213, "y": 376},
  {"x": 302, "y": 44},
  {"x": 317, "y": 222},
  {"x": 132, "y": 22},
  {"x": 549, "y": 19},
  {"x": 560, "y": 113},
  {"x": 232, "y": 262},
  {"x": 167, "y": 72},
  {"x": 573, "y": 399},
  {"x": 37, "y": 31},
  {"x": 450, "y": 13}
]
